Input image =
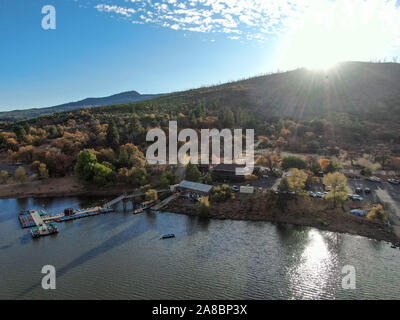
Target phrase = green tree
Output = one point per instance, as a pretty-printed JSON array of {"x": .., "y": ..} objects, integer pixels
[
  {"x": 293, "y": 162},
  {"x": 192, "y": 173},
  {"x": 3, "y": 176},
  {"x": 124, "y": 159},
  {"x": 20, "y": 175},
  {"x": 283, "y": 195},
  {"x": 135, "y": 129},
  {"x": 229, "y": 119},
  {"x": 84, "y": 167},
  {"x": 112, "y": 135},
  {"x": 168, "y": 178},
  {"x": 102, "y": 174}
]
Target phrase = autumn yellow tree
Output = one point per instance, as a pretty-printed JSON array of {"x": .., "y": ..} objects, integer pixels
[
  {"x": 337, "y": 184},
  {"x": 377, "y": 214},
  {"x": 324, "y": 163},
  {"x": 297, "y": 180}
]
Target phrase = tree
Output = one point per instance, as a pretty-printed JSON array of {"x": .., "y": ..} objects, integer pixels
[
  {"x": 102, "y": 174},
  {"x": 35, "y": 166},
  {"x": 134, "y": 129},
  {"x": 151, "y": 195},
  {"x": 43, "y": 172},
  {"x": 382, "y": 154},
  {"x": 84, "y": 167},
  {"x": 20, "y": 175},
  {"x": 192, "y": 173},
  {"x": 229, "y": 119},
  {"x": 124, "y": 159},
  {"x": 284, "y": 195},
  {"x": 3, "y": 176},
  {"x": 112, "y": 136},
  {"x": 377, "y": 214},
  {"x": 297, "y": 180},
  {"x": 293, "y": 162},
  {"x": 168, "y": 178},
  {"x": 336, "y": 183},
  {"x": 209, "y": 179},
  {"x": 222, "y": 193},
  {"x": 351, "y": 155},
  {"x": 204, "y": 207},
  {"x": 270, "y": 161},
  {"x": 324, "y": 163}
]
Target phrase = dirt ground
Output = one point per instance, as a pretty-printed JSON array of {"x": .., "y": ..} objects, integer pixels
[{"x": 57, "y": 187}]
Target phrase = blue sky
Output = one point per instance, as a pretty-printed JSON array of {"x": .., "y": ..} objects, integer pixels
[{"x": 104, "y": 47}]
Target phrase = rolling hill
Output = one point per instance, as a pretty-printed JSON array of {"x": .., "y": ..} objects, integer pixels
[{"x": 124, "y": 97}]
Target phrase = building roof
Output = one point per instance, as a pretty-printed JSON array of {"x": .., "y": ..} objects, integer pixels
[{"x": 195, "y": 186}]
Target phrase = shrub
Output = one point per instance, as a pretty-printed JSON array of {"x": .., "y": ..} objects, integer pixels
[
  {"x": 151, "y": 195},
  {"x": 377, "y": 214},
  {"x": 204, "y": 207}
]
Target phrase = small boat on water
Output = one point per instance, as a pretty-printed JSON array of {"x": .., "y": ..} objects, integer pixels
[{"x": 168, "y": 235}]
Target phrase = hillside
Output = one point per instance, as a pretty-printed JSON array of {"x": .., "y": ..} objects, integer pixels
[
  {"x": 358, "y": 89},
  {"x": 124, "y": 97},
  {"x": 354, "y": 103}
]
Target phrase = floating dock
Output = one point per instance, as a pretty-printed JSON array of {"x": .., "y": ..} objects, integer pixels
[
  {"x": 42, "y": 224},
  {"x": 41, "y": 228}
]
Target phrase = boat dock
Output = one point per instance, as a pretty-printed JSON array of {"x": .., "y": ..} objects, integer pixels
[
  {"x": 164, "y": 202},
  {"x": 41, "y": 228}
]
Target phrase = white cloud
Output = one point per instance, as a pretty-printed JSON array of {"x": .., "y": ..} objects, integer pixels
[{"x": 255, "y": 19}]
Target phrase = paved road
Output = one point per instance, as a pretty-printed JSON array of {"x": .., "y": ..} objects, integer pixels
[{"x": 383, "y": 192}]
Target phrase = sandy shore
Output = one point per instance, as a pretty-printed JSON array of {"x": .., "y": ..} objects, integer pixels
[
  {"x": 57, "y": 187},
  {"x": 305, "y": 212}
]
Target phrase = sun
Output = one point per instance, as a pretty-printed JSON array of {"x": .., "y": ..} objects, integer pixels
[{"x": 338, "y": 31}]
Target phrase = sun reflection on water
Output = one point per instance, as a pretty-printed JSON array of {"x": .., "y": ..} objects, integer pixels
[{"x": 312, "y": 276}]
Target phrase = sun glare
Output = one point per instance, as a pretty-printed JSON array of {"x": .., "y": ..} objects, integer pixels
[{"x": 331, "y": 32}]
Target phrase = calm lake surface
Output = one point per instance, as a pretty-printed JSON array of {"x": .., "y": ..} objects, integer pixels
[{"x": 120, "y": 256}]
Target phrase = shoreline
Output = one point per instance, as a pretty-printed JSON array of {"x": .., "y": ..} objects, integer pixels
[
  {"x": 305, "y": 212},
  {"x": 58, "y": 187},
  {"x": 326, "y": 219}
]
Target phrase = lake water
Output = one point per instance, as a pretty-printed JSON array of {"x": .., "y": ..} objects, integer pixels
[{"x": 120, "y": 256}]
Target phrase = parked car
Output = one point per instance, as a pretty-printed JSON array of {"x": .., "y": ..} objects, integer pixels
[
  {"x": 356, "y": 197},
  {"x": 358, "y": 190},
  {"x": 367, "y": 190},
  {"x": 235, "y": 188},
  {"x": 265, "y": 176},
  {"x": 374, "y": 179},
  {"x": 394, "y": 181}
]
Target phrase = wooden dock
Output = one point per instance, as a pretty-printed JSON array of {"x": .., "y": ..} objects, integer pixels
[{"x": 163, "y": 203}]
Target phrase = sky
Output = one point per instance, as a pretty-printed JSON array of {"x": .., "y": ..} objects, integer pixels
[{"x": 99, "y": 48}]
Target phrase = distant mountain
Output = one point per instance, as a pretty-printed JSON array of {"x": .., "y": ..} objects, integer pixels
[{"x": 123, "y": 97}]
